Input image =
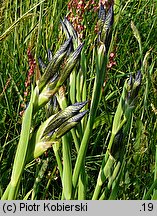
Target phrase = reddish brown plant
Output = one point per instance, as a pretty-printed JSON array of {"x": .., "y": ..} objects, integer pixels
[{"x": 32, "y": 66}]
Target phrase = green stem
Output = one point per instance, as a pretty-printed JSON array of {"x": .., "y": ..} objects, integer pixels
[
  {"x": 76, "y": 139},
  {"x": 73, "y": 86},
  {"x": 5, "y": 195},
  {"x": 101, "y": 69},
  {"x": 97, "y": 190},
  {"x": 58, "y": 159},
  {"x": 21, "y": 152},
  {"x": 81, "y": 154},
  {"x": 82, "y": 185},
  {"x": 150, "y": 191},
  {"x": 67, "y": 168},
  {"x": 101, "y": 177}
]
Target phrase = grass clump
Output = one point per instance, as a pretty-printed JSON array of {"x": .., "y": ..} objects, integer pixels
[{"x": 103, "y": 62}]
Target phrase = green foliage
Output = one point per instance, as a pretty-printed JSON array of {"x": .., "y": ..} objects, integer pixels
[{"x": 112, "y": 152}]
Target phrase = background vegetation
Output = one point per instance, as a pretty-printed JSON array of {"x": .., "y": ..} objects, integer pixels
[{"x": 35, "y": 25}]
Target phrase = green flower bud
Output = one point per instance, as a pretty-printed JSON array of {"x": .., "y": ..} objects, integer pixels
[
  {"x": 54, "y": 64},
  {"x": 69, "y": 124},
  {"x": 71, "y": 62}
]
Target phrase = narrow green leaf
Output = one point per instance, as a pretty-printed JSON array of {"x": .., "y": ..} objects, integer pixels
[{"x": 20, "y": 157}]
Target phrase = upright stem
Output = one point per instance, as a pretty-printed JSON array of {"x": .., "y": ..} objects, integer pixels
[
  {"x": 58, "y": 158},
  {"x": 101, "y": 177},
  {"x": 100, "y": 73},
  {"x": 67, "y": 166}
]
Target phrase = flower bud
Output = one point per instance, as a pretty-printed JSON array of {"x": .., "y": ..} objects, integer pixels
[{"x": 54, "y": 64}]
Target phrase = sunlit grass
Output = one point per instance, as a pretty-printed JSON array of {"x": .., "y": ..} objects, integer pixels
[{"x": 36, "y": 24}]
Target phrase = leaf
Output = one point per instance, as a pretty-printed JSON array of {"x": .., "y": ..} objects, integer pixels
[{"x": 20, "y": 157}]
